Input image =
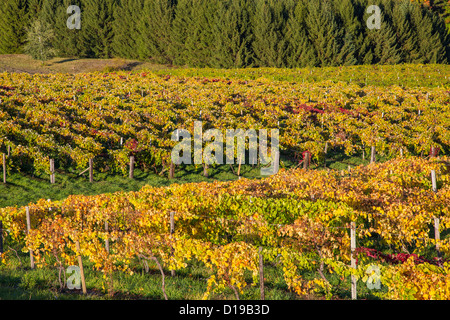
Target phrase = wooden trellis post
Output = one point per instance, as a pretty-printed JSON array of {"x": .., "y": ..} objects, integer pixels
[
  {"x": 261, "y": 274},
  {"x": 107, "y": 236},
  {"x": 276, "y": 165},
  {"x": 80, "y": 264},
  {"x": 52, "y": 171},
  {"x": 1, "y": 239},
  {"x": 205, "y": 170},
  {"x": 4, "y": 168},
  {"x": 372, "y": 155},
  {"x": 239, "y": 167},
  {"x": 352, "y": 257},
  {"x": 91, "y": 170},
  {"x": 437, "y": 235},
  {"x": 433, "y": 181},
  {"x": 131, "y": 175},
  {"x": 27, "y": 210},
  {"x": 306, "y": 161},
  {"x": 172, "y": 231},
  {"x": 172, "y": 170},
  {"x": 433, "y": 152}
]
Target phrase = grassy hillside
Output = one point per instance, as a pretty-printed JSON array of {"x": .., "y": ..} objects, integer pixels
[{"x": 24, "y": 63}]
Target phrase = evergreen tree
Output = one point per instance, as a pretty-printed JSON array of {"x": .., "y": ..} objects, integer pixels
[
  {"x": 47, "y": 14},
  {"x": 127, "y": 19},
  {"x": 444, "y": 35},
  {"x": 192, "y": 36},
  {"x": 327, "y": 37},
  {"x": 347, "y": 55},
  {"x": 406, "y": 37},
  {"x": 428, "y": 29},
  {"x": 68, "y": 42},
  {"x": 236, "y": 33},
  {"x": 13, "y": 24},
  {"x": 233, "y": 35},
  {"x": 301, "y": 52},
  {"x": 34, "y": 8},
  {"x": 269, "y": 27},
  {"x": 200, "y": 42},
  {"x": 97, "y": 28},
  {"x": 349, "y": 15},
  {"x": 154, "y": 30},
  {"x": 384, "y": 44},
  {"x": 443, "y": 54},
  {"x": 442, "y": 7},
  {"x": 180, "y": 31}
]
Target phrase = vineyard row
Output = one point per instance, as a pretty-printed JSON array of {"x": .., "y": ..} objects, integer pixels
[
  {"x": 110, "y": 117},
  {"x": 300, "y": 218}
]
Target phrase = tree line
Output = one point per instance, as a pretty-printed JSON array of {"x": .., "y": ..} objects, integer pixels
[{"x": 229, "y": 33}]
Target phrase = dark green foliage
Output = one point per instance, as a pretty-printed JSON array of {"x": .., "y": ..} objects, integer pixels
[
  {"x": 127, "y": 17},
  {"x": 13, "y": 23},
  {"x": 433, "y": 42},
  {"x": 200, "y": 42},
  {"x": 97, "y": 28},
  {"x": 179, "y": 31},
  {"x": 332, "y": 46},
  {"x": 300, "y": 50},
  {"x": 237, "y": 33},
  {"x": 155, "y": 31},
  {"x": 233, "y": 35},
  {"x": 269, "y": 24},
  {"x": 68, "y": 42},
  {"x": 442, "y": 7},
  {"x": 48, "y": 10},
  {"x": 350, "y": 18},
  {"x": 406, "y": 39},
  {"x": 384, "y": 43},
  {"x": 384, "y": 47},
  {"x": 192, "y": 34},
  {"x": 34, "y": 7}
]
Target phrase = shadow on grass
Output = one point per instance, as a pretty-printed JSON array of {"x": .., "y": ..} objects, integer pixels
[
  {"x": 64, "y": 60},
  {"x": 25, "y": 188}
]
